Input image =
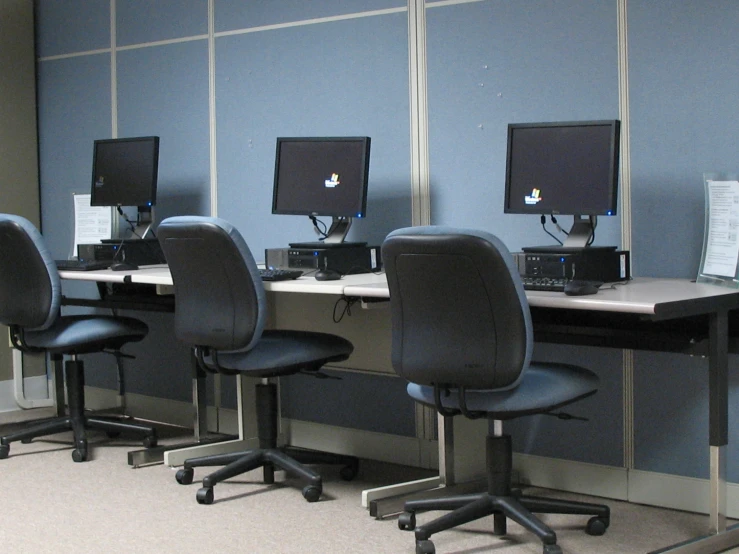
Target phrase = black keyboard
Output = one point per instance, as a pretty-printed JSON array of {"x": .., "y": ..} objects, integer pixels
[
  {"x": 81, "y": 265},
  {"x": 544, "y": 283},
  {"x": 279, "y": 274}
]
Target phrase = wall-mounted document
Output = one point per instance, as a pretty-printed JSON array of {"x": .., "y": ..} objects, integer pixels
[
  {"x": 721, "y": 235},
  {"x": 91, "y": 223}
]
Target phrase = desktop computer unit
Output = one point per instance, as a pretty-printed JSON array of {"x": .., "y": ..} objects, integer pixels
[
  {"x": 345, "y": 260},
  {"x": 134, "y": 251},
  {"x": 590, "y": 264}
]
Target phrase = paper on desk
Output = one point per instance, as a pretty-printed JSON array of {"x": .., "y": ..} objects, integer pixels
[
  {"x": 91, "y": 223},
  {"x": 722, "y": 235}
]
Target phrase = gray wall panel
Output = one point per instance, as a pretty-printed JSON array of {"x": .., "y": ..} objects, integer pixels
[
  {"x": 671, "y": 414},
  {"x": 66, "y": 26},
  {"x": 156, "y": 97},
  {"x": 74, "y": 110},
  {"x": 291, "y": 82},
  {"x": 598, "y": 440},
  {"x": 369, "y": 402},
  {"x": 140, "y": 21},
  {"x": 683, "y": 83},
  {"x": 493, "y": 63}
]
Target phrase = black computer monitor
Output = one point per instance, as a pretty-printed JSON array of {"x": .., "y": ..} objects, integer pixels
[
  {"x": 124, "y": 173},
  {"x": 564, "y": 168},
  {"x": 322, "y": 176}
]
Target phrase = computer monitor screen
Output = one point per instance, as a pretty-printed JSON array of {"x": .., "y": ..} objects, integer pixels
[
  {"x": 566, "y": 168},
  {"x": 124, "y": 172},
  {"x": 321, "y": 176}
]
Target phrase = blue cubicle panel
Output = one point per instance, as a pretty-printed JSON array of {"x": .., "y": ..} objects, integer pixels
[
  {"x": 683, "y": 83},
  {"x": 599, "y": 440},
  {"x": 492, "y": 63},
  {"x": 375, "y": 403},
  {"x": 295, "y": 82},
  {"x": 73, "y": 110},
  {"x": 682, "y": 60},
  {"x": 239, "y": 14},
  {"x": 66, "y": 26},
  {"x": 142, "y": 21},
  {"x": 156, "y": 97}
]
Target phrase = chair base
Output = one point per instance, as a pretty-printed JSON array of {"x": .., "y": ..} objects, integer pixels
[
  {"x": 502, "y": 503},
  {"x": 76, "y": 421},
  {"x": 270, "y": 457}
]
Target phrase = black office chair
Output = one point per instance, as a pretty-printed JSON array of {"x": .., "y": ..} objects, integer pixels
[
  {"x": 462, "y": 337},
  {"x": 221, "y": 311},
  {"x": 30, "y": 300}
]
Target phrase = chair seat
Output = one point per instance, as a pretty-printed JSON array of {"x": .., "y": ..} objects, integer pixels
[
  {"x": 544, "y": 387},
  {"x": 281, "y": 352},
  {"x": 86, "y": 333}
]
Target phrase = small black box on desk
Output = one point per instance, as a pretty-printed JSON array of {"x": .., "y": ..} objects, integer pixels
[
  {"x": 345, "y": 260},
  {"x": 134, "y": 251},
  {"x": 590, "y": 263}
]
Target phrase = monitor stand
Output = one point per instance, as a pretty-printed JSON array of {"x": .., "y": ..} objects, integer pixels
[
  {"x": 577, "y": 239},
  {"x": 334, "y": 236},
  {"x": 144, "y": 222}
]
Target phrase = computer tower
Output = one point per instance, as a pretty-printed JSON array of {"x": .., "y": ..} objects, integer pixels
[
  {"x": 597, "y": 264},
  {"x": 133, "y": 251},
  {"x": 345, "y": 259}
]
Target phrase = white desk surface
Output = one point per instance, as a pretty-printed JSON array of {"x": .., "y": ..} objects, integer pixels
[
  {"x": 643, "y": 295},
  {"x": 160, "y": 275},
  {"x": 659, "y": 297}
]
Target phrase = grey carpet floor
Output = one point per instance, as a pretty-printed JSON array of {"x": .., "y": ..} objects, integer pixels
[{"x": 51, "y": 504}]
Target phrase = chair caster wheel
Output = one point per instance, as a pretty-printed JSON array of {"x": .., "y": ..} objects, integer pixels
[
  {"x": 4, "y": 451},
  {"x": 150, "y": 441},
  {"x": 184, "y": 476},
  {"x": 347, "y": 473},
  {"x": 312, "y": 493},
  {"x": 597, "y": 526},
  {"x": 26, "y": 441},
  {"x": 407, "y": 521},
  {"x": 425, "y": 547},
  {"x": 552, "y": 549},
  {"x": 79, "y": 454},
  {"x": 205, "y": 495}
]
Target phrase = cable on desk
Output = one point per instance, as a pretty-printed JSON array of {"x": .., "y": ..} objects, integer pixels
[{"x": 347, "y": 302}]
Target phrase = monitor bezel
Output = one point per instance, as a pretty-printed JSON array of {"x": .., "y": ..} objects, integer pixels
[
  {"x": 152, "y": 192},
  {"x": 614, "y": 154},
  {"x": 365, "y": 162}
]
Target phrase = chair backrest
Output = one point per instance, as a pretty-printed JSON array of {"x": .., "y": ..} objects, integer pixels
[
  {"x": 459, "y": 312},
  {"x": 219, "y": 297},
  {"x": 30, "y": 287}
]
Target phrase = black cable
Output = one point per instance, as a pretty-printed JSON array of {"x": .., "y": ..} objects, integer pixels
[
  {"x": 554, "y": 220},
  {"x": 315, "y": 222},
  {"x": 125, "y": 218},
  {"x": 543, "y": 226},
  {"x": 347, "y": 310},
  {"x": 593, "y": 225}
]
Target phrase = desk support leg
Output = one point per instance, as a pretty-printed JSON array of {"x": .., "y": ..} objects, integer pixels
[
  {"x": 384, "y": 501},
  {"x": 718, "y": 419},
  {"x": 717, "y": 512},
  {"x": 719, "y": 538}
]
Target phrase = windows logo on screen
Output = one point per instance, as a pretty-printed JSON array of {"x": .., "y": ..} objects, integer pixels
[
  {"x": 333, "y": 182},
  {"x": 533, "y": 198}
]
